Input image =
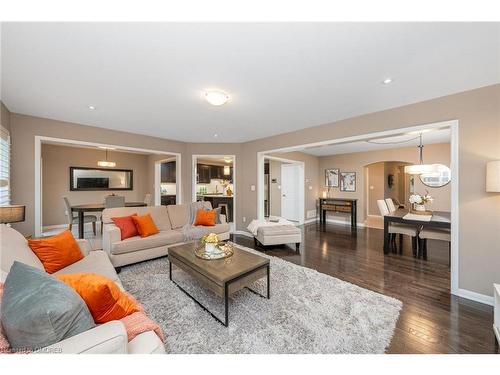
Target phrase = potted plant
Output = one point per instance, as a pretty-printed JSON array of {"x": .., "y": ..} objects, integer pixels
[
  {"x": 419, "y": 201},
  {"x": 210, "y": 241}
]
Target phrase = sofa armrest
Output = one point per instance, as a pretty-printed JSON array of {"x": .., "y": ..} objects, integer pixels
[
  {"x": 108, "y": 338},
  {"x": 85, "y": 247},
  {"x": 223, "y": 219},
  {"x": 110, "y": 234}
]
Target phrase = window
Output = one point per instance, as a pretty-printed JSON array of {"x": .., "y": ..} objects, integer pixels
[{"x": 4, "y": 166}]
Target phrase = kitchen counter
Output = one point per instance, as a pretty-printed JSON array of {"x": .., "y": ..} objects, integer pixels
[{"x": 215, "y": 196}]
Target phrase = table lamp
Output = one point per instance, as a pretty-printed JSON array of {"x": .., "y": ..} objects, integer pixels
[{"x": 12, "y": 214}]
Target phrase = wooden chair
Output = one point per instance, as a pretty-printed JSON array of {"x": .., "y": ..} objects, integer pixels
[
  {"x": 401, "y": 229},
  {"x": 74, "y": 219}
]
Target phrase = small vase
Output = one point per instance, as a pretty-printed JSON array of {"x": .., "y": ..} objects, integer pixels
[
  {"x": 210, "y": 248},
  {"x": 419, "y": 207}
]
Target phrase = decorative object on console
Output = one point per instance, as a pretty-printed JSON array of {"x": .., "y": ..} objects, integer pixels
[
  {"x": 493, "y": 176},
  {"x": 12, "y": 214},
  {"x": 332, "y": 177},
  {"x": 348, "y": 181}
]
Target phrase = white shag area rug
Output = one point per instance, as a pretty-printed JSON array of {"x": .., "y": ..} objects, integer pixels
[{"x": 309, "y": 312}]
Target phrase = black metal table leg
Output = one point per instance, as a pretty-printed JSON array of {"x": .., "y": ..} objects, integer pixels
[
  {"x": 226, "y": 305},
  {"x": 386, "y": 235},
  {"x": 80, "y": 224},
  {"x": 268, "y": 281}
]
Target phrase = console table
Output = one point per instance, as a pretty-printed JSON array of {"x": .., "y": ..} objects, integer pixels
[
  {"x": 496, "y": 319},
  {"x": 344, "y": 205}
]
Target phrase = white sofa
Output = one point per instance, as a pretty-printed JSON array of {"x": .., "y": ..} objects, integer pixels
[
  {"x": 172, "y": 222},
  {"x": 111, "y": 337}
]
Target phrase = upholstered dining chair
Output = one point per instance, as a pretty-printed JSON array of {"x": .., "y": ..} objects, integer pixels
[
  {"x": 74, "y": 218},
  {"x": 433, "y": 234},
  {"x": 390, "y": 204},
  {"x": 401, "y": 229},
  {"x": 112, "y": 201},
  {"x": 147, "y": 199}
]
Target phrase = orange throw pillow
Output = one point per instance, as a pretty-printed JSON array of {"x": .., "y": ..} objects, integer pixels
[
  {"x": 126, "y": 225},
  {"x": 205, "y": 217},
  {"x": 102, "y": 296},
  {"x": 145, "y": 225},
  {"x": 56, "y": 252}
]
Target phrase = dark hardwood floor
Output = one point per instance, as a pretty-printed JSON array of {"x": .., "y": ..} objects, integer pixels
[{"x": 432, "y": 320}]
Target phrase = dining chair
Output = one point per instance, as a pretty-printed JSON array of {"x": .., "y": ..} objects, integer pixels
[
  {"x": 147, "y": 199},
  {"x": 401, "y": 229},
  {"x": 74, "y": 219},
  {"x": 390, "y": 204},
  {"x": 112, "y": 201},
  {"x": 433, "y": 234}
]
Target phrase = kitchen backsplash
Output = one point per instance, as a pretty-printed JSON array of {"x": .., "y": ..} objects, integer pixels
[
  {"x": 170, "y": 189},
  {"x": 215, "y": 186}
]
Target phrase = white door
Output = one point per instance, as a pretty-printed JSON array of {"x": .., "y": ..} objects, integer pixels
[{"x": 290, "y": 174}]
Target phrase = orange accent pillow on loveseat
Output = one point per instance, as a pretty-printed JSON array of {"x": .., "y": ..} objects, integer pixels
[
  {"x": 126, "y": 225},
  {"x": 205, "y": 218},
  {"x": 145, "y": 225}
]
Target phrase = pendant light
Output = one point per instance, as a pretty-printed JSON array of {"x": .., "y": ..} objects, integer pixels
[
  {"x": 421, "y": 168},
  {"x": 106, "y": 163}
]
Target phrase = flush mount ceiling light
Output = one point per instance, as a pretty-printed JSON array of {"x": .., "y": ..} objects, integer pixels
[
  {"x": 216, "y": 135},
  {"x": 216, "y": 97},
  {"x": 106, "y": 163},
  {"x": 91, "y": 107},
  {"x": 387, "y": 81},
  {"x": 421, "y": 168}
]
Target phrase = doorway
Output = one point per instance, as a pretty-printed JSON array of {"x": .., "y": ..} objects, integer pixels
[{"x": 290, "y": 182}]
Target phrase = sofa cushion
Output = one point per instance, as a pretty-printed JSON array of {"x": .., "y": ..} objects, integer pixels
[
  {"x": 145, "y": 225},
  {"x": 102, "y": 296},
  {"x": 38, "y": 310},
  {"x": 163, "y": 238},
  {"x": 194, "y": 207},
  {"x": 205, "y": 218},
  {"x": 178, "y": 214},
  {"x": 13, "y": 246},
  {"x": 126, "y": 225},
  {"x": 158, "y": 213},
  {"x": 96, "y": 262},
  {"x": 195, "y": 233},
  {"x": 56, "y": 252}
]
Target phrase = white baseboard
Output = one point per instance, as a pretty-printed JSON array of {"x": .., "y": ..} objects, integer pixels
[
  {"x": 309, "y": 221},
  {"x": 343, "y": 222},
  {"x": 478, "y": 297}
]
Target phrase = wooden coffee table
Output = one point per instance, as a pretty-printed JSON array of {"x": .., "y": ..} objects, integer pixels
[{"x": 222, "y": 276}]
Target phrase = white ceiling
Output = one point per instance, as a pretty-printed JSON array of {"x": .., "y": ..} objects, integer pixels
[
  {"x": 149, "y": 78},
  {"x": 398, "y": 141}
]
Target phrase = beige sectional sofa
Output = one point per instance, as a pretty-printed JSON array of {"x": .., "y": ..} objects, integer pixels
[
  {"x": 173, "y": 224},
  {"x": 110, "y": 337}
]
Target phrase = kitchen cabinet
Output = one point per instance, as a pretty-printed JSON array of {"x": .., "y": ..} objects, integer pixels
[
  {"x": 203, "y": 172},
  {"x": 168, "y": 172},
  {"x": 167, "y": 200}
]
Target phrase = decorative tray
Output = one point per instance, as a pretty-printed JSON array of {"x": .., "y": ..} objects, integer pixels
[{"x": 222, "y": 250}]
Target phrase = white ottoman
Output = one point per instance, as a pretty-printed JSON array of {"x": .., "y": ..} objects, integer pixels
[{"x": 278, "y": 235}]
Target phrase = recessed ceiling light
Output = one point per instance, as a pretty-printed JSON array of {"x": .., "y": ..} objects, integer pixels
[
  {"x": 216, "y": 97},
  {"x": 216, "y": 135},
  {"x": 91, "y": 107},
  {"x": 387, "y": 81}
]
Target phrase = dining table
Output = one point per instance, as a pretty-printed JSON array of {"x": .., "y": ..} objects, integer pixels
[
  {"x": 439, "y": 219},
  {"x": 80, "y": 209}
]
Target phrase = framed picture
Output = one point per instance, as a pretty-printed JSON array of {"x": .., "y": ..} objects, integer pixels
[
  {"x": 348, "y": 181},
  {"x": 332, "y": 177}
]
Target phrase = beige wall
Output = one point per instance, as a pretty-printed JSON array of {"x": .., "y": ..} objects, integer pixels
[
  {"x": 25, "y": 128},
  {"x": 478, "y": 113},
  {"x": 4, "y": 116},
  {"x": 275, "y": 188},
  {"x": 56, "y": 161},
  {"x": 356, "y": 162},
  {"x": 375, "y": 186}
]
